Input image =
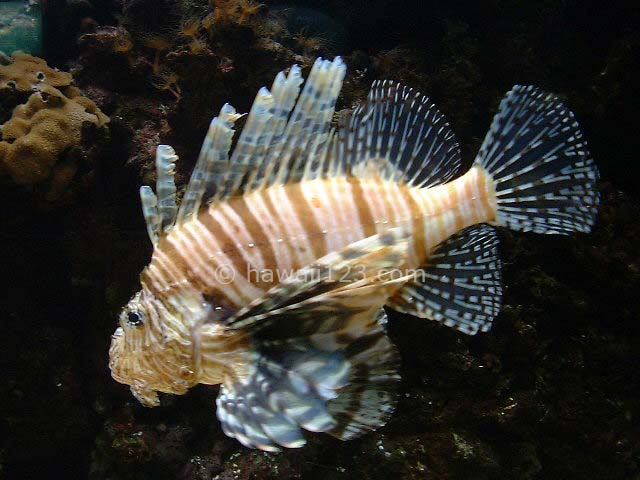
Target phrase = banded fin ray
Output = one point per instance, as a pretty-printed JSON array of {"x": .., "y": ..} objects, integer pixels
[
  {"x": 544, "y": 174},
  {"x": 212, "y": 166},
  {"x": 346, "y": 269},
  {"x": 461, "y": 284},
  {"x": 369, "y": 398},
  {"x": 269, "y": 407},
  {"x": 283, "y": 130},
  {"x": 284, "y": 91},
  {"x": 282, "y": 134},
  {"x": 216, "y": 176},
  {"x": 342, "y": 382},
  {"x": 314, "y": 315},
  {"x": 322, "y": 361},
  {"x": 307, "y": 133},
  {"x": 160, "y": 212},
  {"x": 400, "y": 133}
]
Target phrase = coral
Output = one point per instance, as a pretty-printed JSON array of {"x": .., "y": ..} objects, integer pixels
[
  {"x": 22, "y": 74},
  {"x": 159, "y": 44},
  {"x": 198, "y": 46},
  {"x": 108, "y": 39},
  {"x": 42, "y": 132},
  {"x": 25, "y": 73},
  {"x": 234, "y": 11},
  {"x": 309, "y": 44},
  {"x": 208, "y": 22},
  {"x": 247, "y": 9},
  {"x": 145, "y": 121},
  {"x": 110, "y": 58},
  {"x": 190, "y": 27},
  {"x": 168, "y": 81},
  {"x": 38, "y": 133},
  {"x": 122, "y": 43},
  {"x": 224, "y": 11}
]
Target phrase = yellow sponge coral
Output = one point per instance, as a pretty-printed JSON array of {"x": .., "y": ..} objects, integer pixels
[
  {"x": 40, "y": 131},
  {"x": 25, "y": 73},
  {"x": 36, "y": 142}
]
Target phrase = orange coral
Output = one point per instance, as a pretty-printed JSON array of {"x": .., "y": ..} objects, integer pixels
[
  {"x": 40, "y": 130},
  {"x": 208, "y": 21},
  {"x": 190, "y": 27},
  {"x": 168, "y": 81},
  {"x": 247, "y": 9},
  {"x": 160, "y": 45},
  {"x": 234, "y": 11},
  {"x": 310, "y": 45},
  {"x": 108, "y": 39},
  {"x": 122, "y": 43},
  {"x": 198, "y": 46},
  {"x": 224, "y": 11},
  {"x": 25, "y": 72}
]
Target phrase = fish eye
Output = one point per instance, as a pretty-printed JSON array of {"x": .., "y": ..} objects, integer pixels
[
  {"x": 40, "y": 76},
  {"x": 134, "y": 319}
]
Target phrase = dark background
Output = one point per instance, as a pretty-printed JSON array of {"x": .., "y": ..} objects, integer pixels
[{"x": 551, "y": 392}]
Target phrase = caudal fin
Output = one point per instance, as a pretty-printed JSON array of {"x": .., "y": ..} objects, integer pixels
[{"x": 543, "y": 172}]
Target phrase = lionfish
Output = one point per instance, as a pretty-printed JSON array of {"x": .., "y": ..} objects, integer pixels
[{"x": 271, "y": 277}]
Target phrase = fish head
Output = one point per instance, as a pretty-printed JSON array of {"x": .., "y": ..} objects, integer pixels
[{"x": 148, "y": 355}]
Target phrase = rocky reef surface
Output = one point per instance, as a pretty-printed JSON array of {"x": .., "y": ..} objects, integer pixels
[{"x": 551, "y": 392}]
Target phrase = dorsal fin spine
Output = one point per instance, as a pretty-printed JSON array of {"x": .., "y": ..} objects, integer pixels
[
  {"x": 166, "y": 187},
  {"x": 149, "y": 203},
  {"x": 287, "y": 138},
  {"x": 285, "y": 91},
  {"x": 310, "y": 116},
  {"x": 253, "y": 142},
  {"x": 160, "y": 211},
  {"x": 213, "y": 159}
]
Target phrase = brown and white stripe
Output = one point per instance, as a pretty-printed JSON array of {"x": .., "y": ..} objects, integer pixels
[{"x": 283, "y": 228}]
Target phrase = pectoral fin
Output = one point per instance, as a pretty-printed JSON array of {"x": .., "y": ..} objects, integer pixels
[
  {"x": 349, "y": 269},
  {"x": 321, "y": 358},
  {"x": 342, "y": 382}
]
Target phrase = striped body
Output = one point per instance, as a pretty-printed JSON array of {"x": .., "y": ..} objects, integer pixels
[
  {"x": 275, "y": 289},
  {"x": 234, "y": 251}
]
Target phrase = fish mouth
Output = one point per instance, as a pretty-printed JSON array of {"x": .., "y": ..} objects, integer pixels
[
  {"x": 116, "y": 352},
  {"x": 118, "y": 333},
  {"x": 146, "y": 395},
  {"x": 125, "y": 370}
]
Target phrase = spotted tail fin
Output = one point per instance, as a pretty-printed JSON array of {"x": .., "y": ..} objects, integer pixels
[{"x": 543, "y": 172}]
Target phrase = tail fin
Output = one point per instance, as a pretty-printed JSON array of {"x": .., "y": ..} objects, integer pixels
[{"x": 544, "y": 175}]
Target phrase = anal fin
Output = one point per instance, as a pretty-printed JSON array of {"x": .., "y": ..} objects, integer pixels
[{"x": 461, "y": 284}]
